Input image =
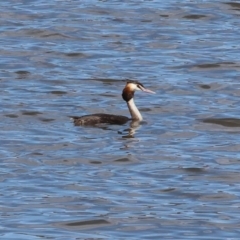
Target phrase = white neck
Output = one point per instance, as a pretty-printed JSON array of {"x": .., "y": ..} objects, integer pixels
[{"x": 136, "y": 115}]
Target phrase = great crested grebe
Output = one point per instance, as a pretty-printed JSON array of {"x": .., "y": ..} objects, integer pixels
[{"x": 127, "y": 95}]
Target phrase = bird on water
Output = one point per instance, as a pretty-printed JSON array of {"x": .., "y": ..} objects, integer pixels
[{"x": 127, "y": 95}]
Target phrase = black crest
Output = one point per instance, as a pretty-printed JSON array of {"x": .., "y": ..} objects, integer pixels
[{"x": 135, "y": 82}]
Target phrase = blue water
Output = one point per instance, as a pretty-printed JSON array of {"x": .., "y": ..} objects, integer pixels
[{"x": 176, "y": 176}]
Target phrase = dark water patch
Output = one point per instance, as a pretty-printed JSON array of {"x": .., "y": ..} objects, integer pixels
[
  {"x": 76, "y": 55},
  {"x": 22, "y": 72},
  {"x": 194, "y": 170},
  {"x": 234, "y": 5},
  {"x": 127, "y": 136},
  {"x": 106, "y": 80},
  {"x": 226, "y": 176},
  {"x": 146, "y": 20},
  {"x": 45, "y": 34},
  {"x": 164, "y": 15},
  {"x": 54, "y": 35},
  {"x": 204, "y": 86},
  {"x": 111, "y": 80},
  {"x": 111, "y": 36},
  {"x": 194, "y": 16},
  {"x": 216, "y": 66},
  {"x": 120, "y": 20},
  {"x": 187, "y": 194},
  {"x": 208, "y": 65},
  {"x": 122, "y": 160},
  {"x": 37, "y": 154},
  {"x": 55, "y": 81},
  {"x": 168, "y": 190},
  {"x": 106, "y": 95},
  {"x": 11, "y": 115},
  {"x": 31, "y": 113},
  {"x": 226, "y": 161},
  {"x": 226, "y": 122},
  {"x": 220, "y": 196},
  {"x": 146, "y": 109},
  {"x": 47, "y": 119},
  {"x": 227, "y": 63},
  {"x": 58, "y": 92},
  {"x": 89, "y": 223},
  {"x": 95, "y": 162},
  {"x": 117, "y": 42}
]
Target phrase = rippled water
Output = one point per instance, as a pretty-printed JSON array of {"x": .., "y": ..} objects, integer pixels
[{"x": 177, "y": 177}]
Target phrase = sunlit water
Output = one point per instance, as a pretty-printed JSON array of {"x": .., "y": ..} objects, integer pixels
[{"x": 176, "y": 177}]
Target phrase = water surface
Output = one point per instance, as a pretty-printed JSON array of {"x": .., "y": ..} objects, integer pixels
[{"x": 176, "y": 177}]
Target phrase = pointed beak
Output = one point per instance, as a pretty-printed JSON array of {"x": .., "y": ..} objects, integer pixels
[{"x": 146, "y": 90}]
